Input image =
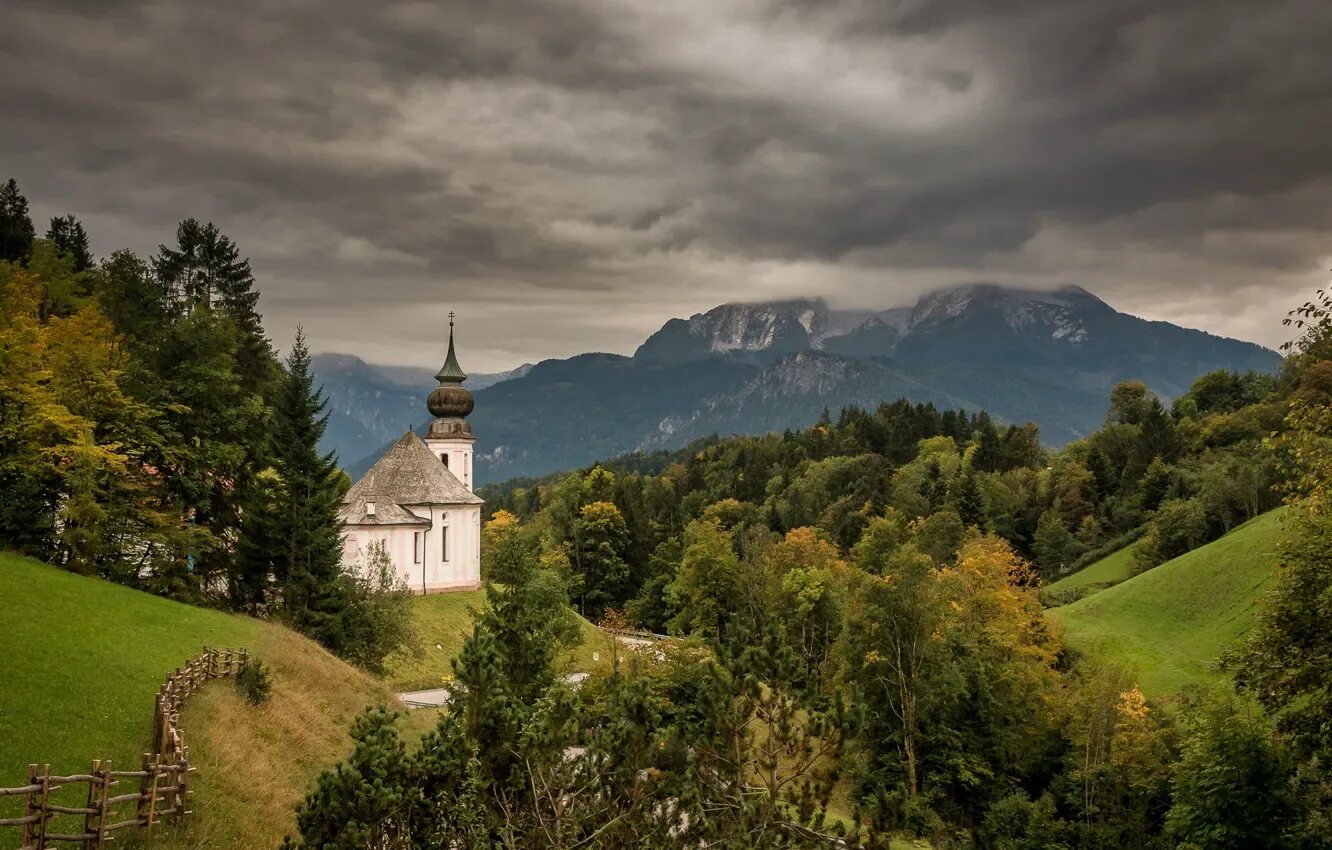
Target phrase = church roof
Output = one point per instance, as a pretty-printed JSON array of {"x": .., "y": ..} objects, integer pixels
[
  {"x": 451, "y": 372},
  {"x": 407, "y": 474},
  {"x": 386, "y": 513}
]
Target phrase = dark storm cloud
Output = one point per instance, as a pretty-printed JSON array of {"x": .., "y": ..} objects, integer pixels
[{"x": 571, "y": 172}]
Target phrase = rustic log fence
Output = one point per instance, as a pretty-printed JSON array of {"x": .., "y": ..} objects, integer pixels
[{"x": 162, "y": 779}]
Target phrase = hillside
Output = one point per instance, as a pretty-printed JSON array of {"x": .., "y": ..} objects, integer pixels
[
  {"x": 1171, "y": 623},
  {"x": 1023, "y": 355},
  {"x": 442, "y": 622},
  {"x": 1098, "y": 575},
  {"x": 84, "y": 657}
]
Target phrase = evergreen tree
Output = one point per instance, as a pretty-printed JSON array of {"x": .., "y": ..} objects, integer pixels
[
  {"x": 988, "y": 455},
  {"x": 70, "y": 239},
  {"x": 205, "y": 269},
  {"x": 308, "y": 569},
  {"x": 1055, "y": 546},
  {"x": 16, "y": 231},
  {"x": 971, "y": 502}
]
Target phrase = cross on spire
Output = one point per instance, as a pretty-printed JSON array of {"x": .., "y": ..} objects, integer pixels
[{"x": 451, "y": 372}]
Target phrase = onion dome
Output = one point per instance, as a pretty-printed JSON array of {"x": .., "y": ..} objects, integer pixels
[{"x": 450, "y": 400}]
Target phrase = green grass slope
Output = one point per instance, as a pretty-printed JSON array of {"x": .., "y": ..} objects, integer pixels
[
  {"x": 442, "y": 621},
  {"x": 80, "y": 661},
  {"x": 1171, "y": 623},
  {"x": 1099, "y": 575}
]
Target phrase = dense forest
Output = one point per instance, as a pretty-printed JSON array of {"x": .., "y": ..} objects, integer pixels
[
  {"x": 860, "y": 649},
  {"x": 150, "y": 436},
  {"x": 1177, "y": 476},
  {"x": 858, "y": 644}
]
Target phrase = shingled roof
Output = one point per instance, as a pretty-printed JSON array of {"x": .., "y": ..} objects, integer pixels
[{"x": 407, "y": 474}]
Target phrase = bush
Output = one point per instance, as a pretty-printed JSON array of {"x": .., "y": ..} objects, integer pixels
[
  {"x": 252, "y": 682},
  {"x": 1052, "y": 598},
  {"x": 1107, "y": 548},
  {"x": 1178, "y": 526},
  {"x": 377, "y": 619}
]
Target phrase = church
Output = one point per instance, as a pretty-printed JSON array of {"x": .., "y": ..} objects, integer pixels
[{"x": 417, "y": 503}]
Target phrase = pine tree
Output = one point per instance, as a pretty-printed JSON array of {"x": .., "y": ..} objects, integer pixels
[
  {"x": 16, "y": 231},
  {"x": 205, "y": 269},
  {"x": 987, "y": 457},
  {"x": 971, "y": 502},
  {"x": 70, "y": 239},
  {"x": 306, "y": 522}
]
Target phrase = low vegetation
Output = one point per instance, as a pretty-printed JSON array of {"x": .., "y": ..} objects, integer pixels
[
  {"x": 82, "y": 659},
  {"x": 1172, "y": 624},
  {"x": 441, "y": 622}
]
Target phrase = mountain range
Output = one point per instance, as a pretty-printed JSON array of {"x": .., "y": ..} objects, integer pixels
[{"x": 1048, "y": 356}]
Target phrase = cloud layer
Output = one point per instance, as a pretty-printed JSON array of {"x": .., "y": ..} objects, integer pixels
[{"x": 567, "y": 174}]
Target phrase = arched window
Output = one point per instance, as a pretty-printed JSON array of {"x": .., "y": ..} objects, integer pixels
[{"x": 444, "y": 458}]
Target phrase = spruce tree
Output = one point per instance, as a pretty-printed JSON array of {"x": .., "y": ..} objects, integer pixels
[
  {"x": 306, "y": 522},
  {"x": 205, "y": 269},
  {"x": 971, "y": 502},
  {"x": 16, "y": 231},
  {"x": 70, "y": 239}
]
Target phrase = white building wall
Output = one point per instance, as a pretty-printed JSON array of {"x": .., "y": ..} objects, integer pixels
[
  {"x": 459, "y": 453},
  {"x": 458, "y": 569}
]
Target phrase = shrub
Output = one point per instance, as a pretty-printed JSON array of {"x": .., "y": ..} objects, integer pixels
[
  {"x": 253, "y": 683},
  {"x": 1178, "y": 526},
  {"x": 377, "y": 619},
  {"x": 1052, "y": 598}
]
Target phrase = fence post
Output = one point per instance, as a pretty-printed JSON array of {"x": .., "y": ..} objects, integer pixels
[
  {"x": 142, "y": 807},
  {"x": 107, "y": 782},
  {"x": 30, "y": 809},
  {"x": 184, "y": 780},
  {"x": 45, "y": 810},
  {"x": 90, "y": 824}
]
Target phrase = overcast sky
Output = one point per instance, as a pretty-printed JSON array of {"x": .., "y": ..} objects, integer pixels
[{"x": 568, "y": 174}]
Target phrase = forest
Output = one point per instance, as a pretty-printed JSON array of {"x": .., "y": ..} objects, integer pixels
[
  {"x": 859, "y": 649},
  {"x": 856, "y": 648},
  {"x": 149, "y": 434}
]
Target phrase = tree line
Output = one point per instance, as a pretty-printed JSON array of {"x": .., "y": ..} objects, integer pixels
[
  {"x": 823, "y": 693},
  {"x": 860, "y": 645},
  {"x": 149, "y": 434}
]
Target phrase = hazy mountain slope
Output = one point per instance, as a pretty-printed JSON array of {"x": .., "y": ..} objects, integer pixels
[
  {"x": 370, "y": 406},
  {"x": 1024, "y": 355}
]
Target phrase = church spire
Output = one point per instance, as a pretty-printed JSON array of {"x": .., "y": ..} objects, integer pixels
[
  {"x": 450, "y": 400},
  {"x": 451, "y": 372}
]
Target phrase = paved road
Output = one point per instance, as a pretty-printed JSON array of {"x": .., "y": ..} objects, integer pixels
[{"x": 436, "y": 697}]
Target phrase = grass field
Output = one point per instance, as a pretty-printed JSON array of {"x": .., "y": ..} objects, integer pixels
[
  {"x": 1098, "y": 575},
  {"x": 81, "y": 659},
  {"x": 442, "y": 622},
  {"x": 1172, "y": 623}
]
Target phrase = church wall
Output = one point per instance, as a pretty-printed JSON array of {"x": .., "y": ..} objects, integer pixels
[{"x": 462, "y": 569}]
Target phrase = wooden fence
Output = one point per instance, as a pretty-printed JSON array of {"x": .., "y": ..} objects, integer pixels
[{"x": 161, "y": 783}]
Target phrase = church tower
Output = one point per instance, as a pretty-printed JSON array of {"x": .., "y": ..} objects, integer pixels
[{"x": 450, "y": 436}]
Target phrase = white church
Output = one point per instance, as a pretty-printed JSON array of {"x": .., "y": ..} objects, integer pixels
[{"x": 417, "y": 500}]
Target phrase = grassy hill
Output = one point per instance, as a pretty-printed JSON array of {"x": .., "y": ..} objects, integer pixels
[
  {"x": 82, "y": 659},
  {"x": 442, "y": 621},
  {"x": 1098, "y": 575},
  {"x": 1171, "y": 623}
]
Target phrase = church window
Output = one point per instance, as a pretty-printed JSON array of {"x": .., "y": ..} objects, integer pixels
[
  {"x": 444, "y": 542},
  {"x": 445, "y": 459},
  {"x": 416, "y": 548}
]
